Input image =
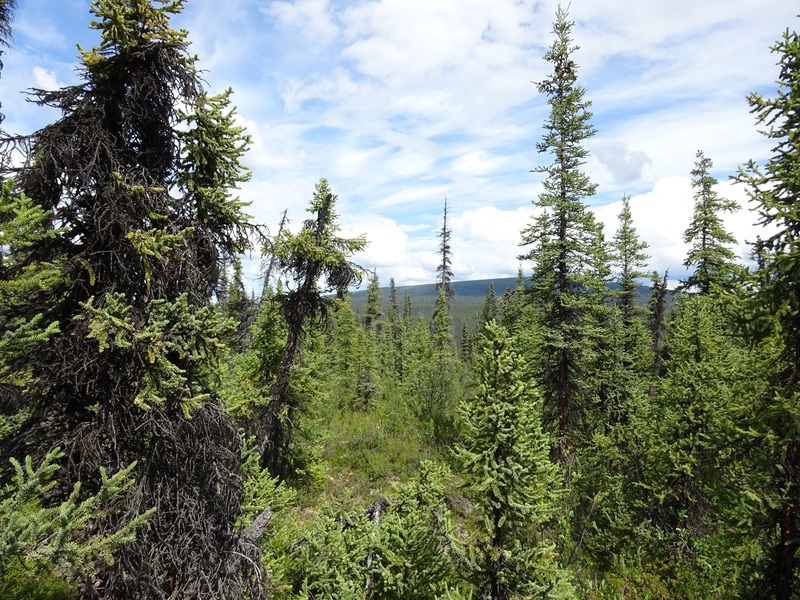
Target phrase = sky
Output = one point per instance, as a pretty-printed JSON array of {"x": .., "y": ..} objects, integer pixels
[{"x": 401, "y": 104}]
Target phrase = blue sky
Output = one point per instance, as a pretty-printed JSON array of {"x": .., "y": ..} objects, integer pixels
[{"x": 403, "y": 103}]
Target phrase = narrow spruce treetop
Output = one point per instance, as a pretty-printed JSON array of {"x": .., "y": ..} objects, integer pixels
[
  {"x": 564, "y": 234},
  {"x": 490, "y": 311},
  {"x": 709, "y": 252},
  {"x": 316, "y": 260},
  {"x": 628, "y": 259},
  {"x": 568, "y": 124},
  {"x": 444, "y": 268},
  {"x": 394, "y": 306},
  {"x": 372, "y": 306}
]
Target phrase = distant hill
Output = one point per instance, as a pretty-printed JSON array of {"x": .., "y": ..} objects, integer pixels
[
  {"x": 463, "y": 289},
  {"x": 467, "y": 303}
]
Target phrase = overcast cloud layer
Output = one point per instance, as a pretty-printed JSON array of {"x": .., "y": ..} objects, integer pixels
[{"x": 403, "y": 103}]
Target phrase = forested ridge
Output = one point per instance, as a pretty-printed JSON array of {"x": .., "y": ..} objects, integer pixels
[{"x": 167, "y": 432}]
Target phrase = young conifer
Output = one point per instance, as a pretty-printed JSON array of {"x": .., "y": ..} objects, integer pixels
[
  {"x": 709, "y": 253},
  {"x": 504, "y": 455},
  {"x": 316, "y": 261}
]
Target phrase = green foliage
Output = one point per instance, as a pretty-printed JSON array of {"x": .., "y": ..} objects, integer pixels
[
  {"x": 504, "y": 457},
  {"x": 416, "y": 547},
  {"x": 441, "y": 334},
  {"x": 432, "y": 376},
  {"x": 171, "y": 335},
  {"x": 54, "y": 541},
  {"x": 628, "y": 259},
  {"x": 695, "y": 474},
  {"x": 372, "y": 307},
  {"x": 773, "y": 315},
  {"x": 210, "y": 167},
  {"x": 490, "y": 310},
  {"x": 402, "y": 547},
  {"x": 23, "y": 281}
]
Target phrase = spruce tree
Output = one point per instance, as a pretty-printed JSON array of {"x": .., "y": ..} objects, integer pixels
[
  {"x": 694, "y": 472},
  {"x": 441, "y": 323},
  {"x": 709, "y": 253},
  {"x": 566, "y": 287},
  {"x": 657, "y": 313},
  {"x": 489, "y": 312},
  {"x": 372, "y": 306},
  {"x": 138, "y": 198},
  {"x": 316, "y": 261},
  {"x": 611, "y": 477},
  {"x": 444, "y": 268},
  {"x": 775, "y": 313},
  {"x": 628, "y": 260},
  {"x": 504, "y": 456},
  {"x": 395, "y": 337}
]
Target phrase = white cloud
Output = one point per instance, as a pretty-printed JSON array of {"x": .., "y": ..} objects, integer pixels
[
  {"x": 45, "y": 80},
  {"x": 624, "y": 164},
  {"x": 312, "y": 17},
  {"x": 477, "y": 163}
]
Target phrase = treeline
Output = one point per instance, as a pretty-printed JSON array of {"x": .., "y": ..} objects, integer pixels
[{"x": 172, "y": 435}]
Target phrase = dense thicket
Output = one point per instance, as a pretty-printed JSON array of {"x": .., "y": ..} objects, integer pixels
[{"x": 173, "y": 436}]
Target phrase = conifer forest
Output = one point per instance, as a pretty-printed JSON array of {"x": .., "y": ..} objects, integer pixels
[{"x": 169, "y": 432}]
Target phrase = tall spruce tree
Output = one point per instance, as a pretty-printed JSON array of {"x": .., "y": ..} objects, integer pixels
[
  {"x": 709, "y": 253},
  {"x": 628, "y": 260},
  {"x": 775, "y": 187},
  {"x": 444, "y": 268},
  {"x": 565, "y": 239},
  {"x": 138, "y": 199}
]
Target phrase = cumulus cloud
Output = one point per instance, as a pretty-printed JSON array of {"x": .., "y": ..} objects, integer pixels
[
  {"x": 44, "y": 79},
  {"x": 624, "y": 164}
]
